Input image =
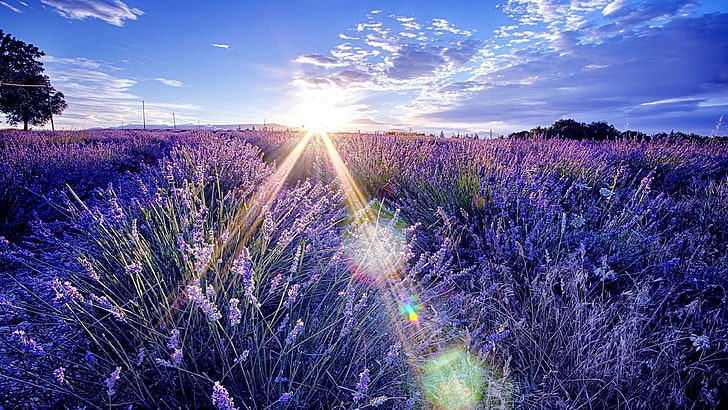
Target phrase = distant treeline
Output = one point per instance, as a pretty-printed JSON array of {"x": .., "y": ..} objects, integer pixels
[{"x": 602, "y": 131}]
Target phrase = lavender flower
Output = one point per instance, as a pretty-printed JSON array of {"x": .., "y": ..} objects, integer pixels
[
  {"x": 243, "y": 266},
  {"x": 268, "y": 223},
  {"x": 283, "y": 324},
  {"x": 296, "y": 260},
  {"x": 140, "y": 356},
  {"x": 293, "y": 335},
  {"x": 195, "y": 294},
  {"x": 65, "y": 292},
  {"x": 134, "y": 231},
  {"x": 393, "y": 353},
  {"x": 235, "y": 315},
  {"x": 578, "y": 221},
  {"x": 221, "y": 398},
  {"x": 134, "y": 268},
  {"x": 292, "y": 295},
  {"x": 111, "y": 381},
  {"x": 285, "y": 397},
  {"x": 280, "y": 378},
  {"x": 275, "y": 282},
  {"x": 177, "y": 357},
  {"x": 59, "y": 374},
  {"x": 701, "y": 342},
  {"x": 28, "y": 344},
  {"x": 378, "y": 401},
  {"x": 202, "y": 253},
  {"x": 500, "y": 335},
  {"x": 104, "y": 303},
  {"x": 362, "y": 386},
  {"x": 89, "y": 268},
  {"x": 4, "y": 244},
  {"x": 243, "y": 356},
  {"x": 173, "y": 342}
]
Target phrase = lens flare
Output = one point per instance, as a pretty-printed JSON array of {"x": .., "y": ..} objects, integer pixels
[
  {"x": 454, "y": 380},
  {"x": 377, "y": 252},
  {"x": 410, "y": 308}
]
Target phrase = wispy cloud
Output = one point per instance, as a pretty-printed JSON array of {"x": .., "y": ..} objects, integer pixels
[
  {"x": 111, "y": 12},
  {"x": 98, "y": 94},
  {"x": 319, "y": 60},
  {"x": 15, "y": 9},
  {"x": 171, "y": 83},
  {"x": 649, "y": 63},
  {"x": 218, "y": 45}
]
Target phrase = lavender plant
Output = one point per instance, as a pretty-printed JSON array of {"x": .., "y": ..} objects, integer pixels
[
  {"x": 485, "y": 274},
  {"x": 170, "y": 311}
]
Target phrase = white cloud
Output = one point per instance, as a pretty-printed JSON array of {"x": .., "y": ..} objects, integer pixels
[
  {"x": 444, "y": 25},
  {"x": 319, "y": 60},
  {"x": 412, "y": 26},
  {"x": 218, "y": 45},
  {"x": 171, "y": 83},
  {"x": 403, "y": 19},
  {"x": 554, "y": 60},
  {"x": 15, "y": 9},
  {"x": 612, "y": 7},
  {"x": 111, "y": 12}
]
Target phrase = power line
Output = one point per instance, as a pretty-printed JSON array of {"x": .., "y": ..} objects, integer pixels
[
  {"x": 48, "y": 90},
  {"x": 25, "y": 85}
]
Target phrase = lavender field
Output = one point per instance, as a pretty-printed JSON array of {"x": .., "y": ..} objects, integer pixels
[{"x": 271, "y": 270}]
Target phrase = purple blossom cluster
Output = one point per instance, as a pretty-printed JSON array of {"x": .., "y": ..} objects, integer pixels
[
  {"x": 362, "y": 386},
  {"x": 295, "y": 332},
  {"x": 234, "y": 314},
  {"x": 243, "y": 266},
  {"x": 196, "y": 295},
  {"x": 111, "y": 381},
  {"x": 27, "y": 344},
  {"x": 221, "y": 398},
  {"x": 60, "y": 374}
]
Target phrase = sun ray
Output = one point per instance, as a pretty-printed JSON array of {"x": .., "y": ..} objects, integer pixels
[
  {"x": 355, "y": 199},
  {"x": 450, "y": 377},
  {"x": 246, "y": 221}
]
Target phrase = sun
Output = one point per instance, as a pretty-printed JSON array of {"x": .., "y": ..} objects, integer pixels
[{"x": 322, "y": 110}]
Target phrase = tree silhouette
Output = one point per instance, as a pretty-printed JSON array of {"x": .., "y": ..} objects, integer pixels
[
  {"x": 26, "y": 94},
  {"x": 569, "y": 129},
  {"x": 601, "y": 131}
]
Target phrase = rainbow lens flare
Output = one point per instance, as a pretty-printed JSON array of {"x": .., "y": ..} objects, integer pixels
[{"x": 410, "y": 309}]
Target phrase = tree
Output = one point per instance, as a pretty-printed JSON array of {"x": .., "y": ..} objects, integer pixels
[
  {"x": 602, "y": 131},
  {"x": 568, "y": 129},
  {"x": 26, "y": 95}
]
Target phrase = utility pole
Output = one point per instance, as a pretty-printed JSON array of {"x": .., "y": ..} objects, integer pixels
[
  {"x": 144, "y": 116},
  {"x": 174, "y": 121}
]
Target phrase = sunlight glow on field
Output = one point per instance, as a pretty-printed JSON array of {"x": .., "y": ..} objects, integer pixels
[
  {"x": 454, "y": 380},
  {"x": 247, "y": 220}
]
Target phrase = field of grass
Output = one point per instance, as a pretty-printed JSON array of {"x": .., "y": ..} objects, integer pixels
[{"x": 163, "y": 269}]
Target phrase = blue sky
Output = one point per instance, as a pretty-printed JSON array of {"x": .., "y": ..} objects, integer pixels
[{"x": 459, "y": 66}]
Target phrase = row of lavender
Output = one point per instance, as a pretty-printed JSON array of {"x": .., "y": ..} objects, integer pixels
[
  {"x": 573, "y": 274},
  {"x": 606, "y": 262}
]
